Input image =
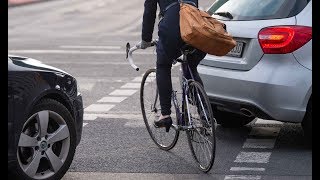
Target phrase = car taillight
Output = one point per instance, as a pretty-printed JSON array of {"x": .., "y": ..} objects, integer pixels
[{"x": 283, "y": 39}]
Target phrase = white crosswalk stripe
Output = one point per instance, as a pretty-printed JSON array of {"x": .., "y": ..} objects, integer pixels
[
  {"x": 253, "y": 157},
  {"x": 112, "y": 99},
  {"x": 99, "y": 108},
  {"x": 259, "y": 143}
]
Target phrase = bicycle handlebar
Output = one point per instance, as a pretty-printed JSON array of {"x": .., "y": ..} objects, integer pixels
[{"x": 130, "y": 50}]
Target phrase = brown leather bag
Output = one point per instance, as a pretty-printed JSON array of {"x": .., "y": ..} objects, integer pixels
[{"x": 204, "y": 32}]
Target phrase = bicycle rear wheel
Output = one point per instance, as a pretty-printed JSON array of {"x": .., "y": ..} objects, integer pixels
[
  {"x": 151, "y": 110},
  {"x": 201, "y": 138}
]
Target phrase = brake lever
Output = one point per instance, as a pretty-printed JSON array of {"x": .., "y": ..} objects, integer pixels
[{"x": 127, "y": 50}]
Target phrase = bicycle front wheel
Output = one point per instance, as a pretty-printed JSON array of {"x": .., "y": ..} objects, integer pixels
[
  {"x": 201, "y": 138},
  {"x": 151, "y": 110}
]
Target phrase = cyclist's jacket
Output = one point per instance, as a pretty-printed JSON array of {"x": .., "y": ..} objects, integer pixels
[{"x": 149, "y": 15}]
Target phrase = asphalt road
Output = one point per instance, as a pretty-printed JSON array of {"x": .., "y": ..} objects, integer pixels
[{"x": 87, "y": 39}]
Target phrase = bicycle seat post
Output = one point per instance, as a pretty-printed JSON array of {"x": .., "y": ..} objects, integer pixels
[{"x": 185, "y": 54}]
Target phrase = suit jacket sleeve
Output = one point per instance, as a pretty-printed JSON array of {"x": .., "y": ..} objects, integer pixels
[{"x": 149, "y": 17}]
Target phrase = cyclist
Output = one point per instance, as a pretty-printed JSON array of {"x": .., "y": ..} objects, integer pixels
[{"x": 168, "y": 48}]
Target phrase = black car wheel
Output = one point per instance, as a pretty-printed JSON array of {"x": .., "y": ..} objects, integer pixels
[
  {"x": 229, "y": 119},
  {"x": 47, "y": 142}
]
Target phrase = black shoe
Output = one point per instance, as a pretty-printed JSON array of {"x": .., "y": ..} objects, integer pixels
[{"x": 165, "y": 122}]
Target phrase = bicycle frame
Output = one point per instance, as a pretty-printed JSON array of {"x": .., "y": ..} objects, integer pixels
[
  {"x": 185, "y": 89},
  {"x": 184, "y": 86}
]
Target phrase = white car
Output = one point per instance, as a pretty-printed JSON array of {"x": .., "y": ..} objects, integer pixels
[{"x": 269, "y": 73}]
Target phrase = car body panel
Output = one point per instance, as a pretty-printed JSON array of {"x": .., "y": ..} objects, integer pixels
[
  {"x": 304, "y": 54},
  {"x": 303, "y": 18},
  {"x": 279, "y": 94}
]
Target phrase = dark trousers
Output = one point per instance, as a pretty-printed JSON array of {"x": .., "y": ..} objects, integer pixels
[{"x": 168, "y": 49}]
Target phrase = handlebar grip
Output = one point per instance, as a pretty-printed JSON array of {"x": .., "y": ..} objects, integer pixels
[{"x": 130, "y": 50}]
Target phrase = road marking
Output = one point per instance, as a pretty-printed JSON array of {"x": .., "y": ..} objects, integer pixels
[
  {"x": 57, "y": 51},
  {"x": 133, "y": 117},
  {"x": 259, "y": 143},
  {"x": 265, "y": 131},
  {"x": 131, "y": 176},
  {"x": 131, "y": 85},
  {"x": 263, "y": 121},
  {"x": 119, "y": 92},
  {"x": 90, "y": 47},
  {"x": 112, "y": 99},
  {"x": 84, "y": 124},
  {"x": 99, "y": 108},
  {"x": 139, "y": 79},
  {"x": 247, "y": 177},
  {"x": 246, "y": 169},
  {"x": 253, "y": 157},
  {"x": 135, "y": 120},
  {"x": 89, "y": 117},
  {"x": 137, "y": 124},
  {"x": 86, "y": 86}
]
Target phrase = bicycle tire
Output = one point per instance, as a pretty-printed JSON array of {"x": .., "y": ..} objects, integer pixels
[
  {"x": 204, "y": 133},
  {"x": 164, "y": 140}
]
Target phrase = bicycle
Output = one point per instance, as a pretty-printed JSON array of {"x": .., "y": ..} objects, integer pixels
[{"x": 194, "y": 116}]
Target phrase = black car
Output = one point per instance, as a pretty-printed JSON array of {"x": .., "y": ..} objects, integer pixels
[{"x": 45, "y": 118}]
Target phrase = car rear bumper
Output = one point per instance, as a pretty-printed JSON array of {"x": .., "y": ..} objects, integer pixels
[
  {"x": 278, "y": 87},
  {"x": 79, "y": 116}
]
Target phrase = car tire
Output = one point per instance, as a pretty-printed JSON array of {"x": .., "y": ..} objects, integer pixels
[
  {"x": 307, "y": 124},
  {"x": 61, "y": 145},
  {"x": 229, "y": 119}
]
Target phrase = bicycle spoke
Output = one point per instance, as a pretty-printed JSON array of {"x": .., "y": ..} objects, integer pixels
[
  {"x": 202, "y": 139},
  {"x": 151, "y": 111},
  {"x": 202, "y": 148}
]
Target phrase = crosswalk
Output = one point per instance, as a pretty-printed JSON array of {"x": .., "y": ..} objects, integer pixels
[
  {"x": 256, "y": 150},
  {"x": 106, "y": 103}
]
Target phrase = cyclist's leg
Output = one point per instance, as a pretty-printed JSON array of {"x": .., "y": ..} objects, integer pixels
[
  {"x": 163, "y": 77},
  {"x": 164, "y": 84},
  {"x": 193, "y": 61},
  {"x": 168, "y": 48}
]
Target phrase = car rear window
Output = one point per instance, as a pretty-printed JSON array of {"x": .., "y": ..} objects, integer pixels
[{"x": 258, "y": 9}]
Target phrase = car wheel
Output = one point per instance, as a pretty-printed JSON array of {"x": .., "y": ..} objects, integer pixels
[
  {"x": 229, "y": 119},
  {"x": 307, "y": 124},
  {"x": 47, "y": 142}
]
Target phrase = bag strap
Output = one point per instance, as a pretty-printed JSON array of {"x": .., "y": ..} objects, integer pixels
[
  {"x": 177, "y": 2},
  {"x": 170, "y": 5},
  {"x": 188, "y": 2}
]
